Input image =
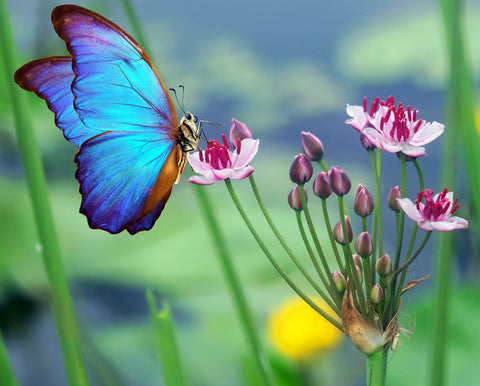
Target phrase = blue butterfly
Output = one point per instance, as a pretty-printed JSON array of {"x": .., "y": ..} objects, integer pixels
[{"x": 109, "y": 101}]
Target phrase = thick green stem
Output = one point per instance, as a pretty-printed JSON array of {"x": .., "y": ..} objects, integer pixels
[
  {"x": 7, "y": 375},
  {"x": 166, "y": 343},
  {"x": 234, "y": 286},
  {"x": 272, "y": 260},
  {"x": 61, "y": 301},
  {"x": 377, "y": 368}
]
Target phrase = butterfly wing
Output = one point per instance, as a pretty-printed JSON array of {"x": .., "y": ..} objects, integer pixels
[
  {"x": 128, "y": 159},
  {"x": 51, "y": 79}
]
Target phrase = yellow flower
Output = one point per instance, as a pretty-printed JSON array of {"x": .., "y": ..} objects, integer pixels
[{"x": 298, "y": 331}]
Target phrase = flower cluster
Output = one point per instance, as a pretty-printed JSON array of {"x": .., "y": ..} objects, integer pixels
[{"x": 363, "y": 288}]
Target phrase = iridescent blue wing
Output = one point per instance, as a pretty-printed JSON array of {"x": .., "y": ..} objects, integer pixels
[
  {"x": 128, "y": 159},
  {"x": 51, "y": 79},
  {"x": 109, "y": 169}
]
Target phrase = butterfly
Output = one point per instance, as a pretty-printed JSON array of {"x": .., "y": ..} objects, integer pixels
[{"x": 110, "y": 102}]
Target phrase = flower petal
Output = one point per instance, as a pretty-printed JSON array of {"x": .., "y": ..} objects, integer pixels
[
  {"x": 359, "y": 119},
  {"x": 249, "y": 148},
  {"x": 243, "y": 173},
  {"x": 427, "y": 133},
  {"x": 202, "y": 180},
  {"x": 197, "y": 165},
  {"x": 450, "y": 224},
  {"x": 410, "y": 209}
]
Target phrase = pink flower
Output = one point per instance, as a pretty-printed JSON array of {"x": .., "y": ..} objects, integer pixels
[
  {"x": 393, "y": 129},
  {"x": 218, "y": 162},
  {"x": 436, "y": 213}
]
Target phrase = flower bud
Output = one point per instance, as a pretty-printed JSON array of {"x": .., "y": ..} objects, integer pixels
[
  {"x": 384, "y": 266},
  {"x": 357, "y": 260},
  {"x": 376, "y": 294},
  {"x": 312, "y": 146},
  {"x": 392, "y": 199},
  {"x": 339, "y": 181},
  {"x": 363, "y": 202},
  {"x": 301, "y": 169},
  {"x": 366, "y": 142},
  {"x": 338, "y": 232},
  {"x": 364, "y": 245},
  {"x": 294, "y": 199},
  {"x": 238, "y": 131},
  {"x": 321, "y": 185},
  {"x": 339, "y": 281}
]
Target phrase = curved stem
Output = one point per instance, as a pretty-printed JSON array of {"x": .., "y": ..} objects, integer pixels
[
  {"x": 282, "y": 240},
  {"x": 235, "y": 287},
  {"x": 272, "y": 260},
  {"x": 61, "y": 302},
  {"x": 337, "y": 306},
  {"x": 376, "y": 167}
]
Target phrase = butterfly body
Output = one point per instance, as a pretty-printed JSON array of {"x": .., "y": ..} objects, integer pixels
[{"x": 110, "y": 102}]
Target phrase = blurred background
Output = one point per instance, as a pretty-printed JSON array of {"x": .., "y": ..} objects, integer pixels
[{"x": 280, "y": 67}]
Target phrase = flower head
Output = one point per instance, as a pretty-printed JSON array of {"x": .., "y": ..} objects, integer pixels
[
  {"x": 393, "y": 129},
  {"x": 435, "y": 213},
  {"x": 217, "y": 162},
  {"x": 312, "y": 146},
  {"x": 238, "y": 130}
]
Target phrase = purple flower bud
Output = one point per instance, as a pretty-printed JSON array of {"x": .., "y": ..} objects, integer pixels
[
  {"x": 321, "y": 185},
  {"x": 357, "y": 260},
  {"x": 339, "y": 281},
  {"x": 392, "y": 199},
  {"x": 312, "y": 146},
  {"x": 339, "y": 181},
  {"x": 301, "y": 170},
  {"x": 238, "y": 131},
  {"x": 294, "y": 199},
  {"x": 338, "y": 232},
  {"x": 376, "y": 294},
  {"x": 384, "y": 266},
  {"x": 363, "y": 202},
  {"x": 364, "y": 245},
  {"x": 366, "y": 143}
]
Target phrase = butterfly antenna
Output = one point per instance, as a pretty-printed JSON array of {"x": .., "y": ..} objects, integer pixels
[{"x": 176, "y": 98}]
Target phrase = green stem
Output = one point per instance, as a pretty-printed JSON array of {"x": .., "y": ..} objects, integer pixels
[
  {"x": 329, "y": 228},
  {"x": 6, "y": 372},
  {"x": 235, "y": 288},
  {"x": 377, "y": 368},
  {"x": 283, "y": 242},
  {"x": 349, "y": 258},
  {"x": 403, "y": 190},
  {"x": 311, "y": 227},
  {"x": 61, "y": 301},
  {"x": 335, "y": 307},
  {"x": 376, "y": 167},
  {"x": 166, "y": 343},
  {"x": 272, "y": 260}
]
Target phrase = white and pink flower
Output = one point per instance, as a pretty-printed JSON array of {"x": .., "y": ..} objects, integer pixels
[
  {"x": 218, "y": 162},
  {"x": 435, "y": 213},
  {"x": 393, "y": 129}
]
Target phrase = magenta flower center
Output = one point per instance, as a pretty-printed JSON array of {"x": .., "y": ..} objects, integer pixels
[
  {"x": 435, "y": 210},
  {"x": 218, "y": 156},
  {"x": 404, "y": 123}
]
